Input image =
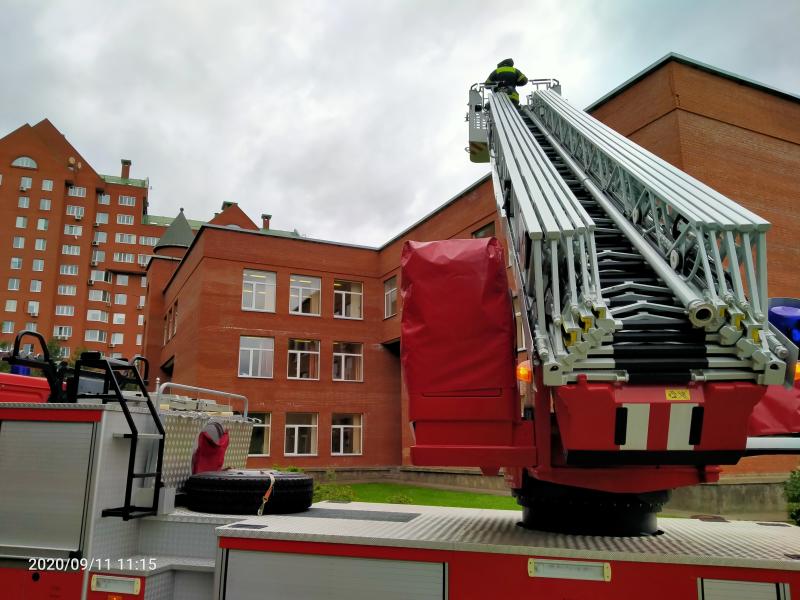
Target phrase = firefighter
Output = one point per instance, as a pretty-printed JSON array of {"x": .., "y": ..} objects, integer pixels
[{"x": 506, "y": 77}]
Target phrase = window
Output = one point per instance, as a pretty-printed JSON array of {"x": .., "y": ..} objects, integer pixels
[
  {"x": 47, "y": 186},
  {"x": 127, "y": 200},
  {"x": 103, "y": 198},
  {"x": 70, "y": 250},
  {"x": 100, "y": 237},
  {"x": 98, "y": 256},
  {"x": 99, "y": 296},
  {"x": 125, "y": 219},
  {"x": 125, "y": 238},
  {"x": 8, "y": 327},
  {"x": 75, "y": 211},
  {"x": 303, "y": 359},
  {"x": 260, "y": 438},
  {"x": 23, "y": 202},
  {"x": 348, "y": 360},
  {"x": 138, "y": 339},
  {"x": 22, "y": 222},
  {"x": 76, "y": 192},
  {"x": 346, "y": 434},
  {"x": 175, "y": 318},
  {"x": 25, "y": 183},
  {"x": 13, "y": 284},
  {"x": 40, "y": 244},
  {"x": 95, "y": 335},
  {"x": 33, "y": 307},
  {"x": 67, "y": 290},
  {"x": 301, "y": 434},
  {"x": 390, "y": 297},
  {"x": 119, "y": 319},
  {"x": 38, "y": 264},
  {"x": 100, "y": 275},
  {"x": 347, "y": 299},
  {"x": 148, "y": 240},
  {"x": 140, "y": 320},
  {"x": 42, "y": 223},
  {"x": 141, "y": 301},
  {"x": 65, "y": 310},
  {"x": 122, "y": 279},
  {"x": 62, "y": 331},
  {"x": 36, "y": 286},
  {"x": 11, "y": 306},
  {"x": 120, "y": 299},
  {"x": 256, "y": 356},
  {"x": 97, "y": 315},
  {"x": 124, "y": 257},
  {"x": 44, "y": 204},
  {"x": 16, "y": 263},
  {"x": 68, "y": 269},
  {"x": 26, "y": 162},
  {"x": 143, "y": 282},
  {"x": 31, "y": 326},
  {"x": 73, "y": 229},
  {"x": 258, "y": 290},
  {"x": 144, "y": 259},
  {"x": 101, "y": 218},
  {"x": 304, "y": 295},
  {"x": 485, "y": 231},
  {"x": 117, "y": 338},
  {"x": 18, "y": 242}
]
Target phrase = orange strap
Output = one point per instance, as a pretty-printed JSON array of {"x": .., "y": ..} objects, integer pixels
[{"x": 267, "y": 495}]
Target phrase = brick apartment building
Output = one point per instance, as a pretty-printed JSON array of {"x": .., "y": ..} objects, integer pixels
[
  {"x": 309, "y": 329},
  {"x": 75, "y": 245}
]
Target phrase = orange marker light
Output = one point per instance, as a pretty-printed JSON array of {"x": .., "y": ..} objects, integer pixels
[
  {"x": 797, "y": 372},
  {"x": 524, "y": 372},
  {"x": 114, "y": 597}
]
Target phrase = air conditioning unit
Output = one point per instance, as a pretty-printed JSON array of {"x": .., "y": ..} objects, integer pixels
[
  {"x": 91, "y": 282},
  {"x": 95, "y": 243},
  {"x": 112, "y": 345},
  {"x": 34, "y": 314},
  {"x": 78, "y": 217},
  {"x": 108, "y": 302},
  {"x": 96, "y": 224},
  {"x": 61, "y": 337},
  {"x": 140, "y": 307},
  {"x": 23, "y": 188},
  {"x": 94, "y": 263}
]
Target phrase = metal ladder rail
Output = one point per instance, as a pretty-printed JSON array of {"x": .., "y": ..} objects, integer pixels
[
  {"x": 721, "y": 365},
  {"x": 697, "y": 220},
  {"x": 112, "y": 392},
  {"x": 542, "y": 209},
  {"x": 745, "y": 325}
]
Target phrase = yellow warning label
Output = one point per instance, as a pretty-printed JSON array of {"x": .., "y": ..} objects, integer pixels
[{"x": 677, "y": 395}]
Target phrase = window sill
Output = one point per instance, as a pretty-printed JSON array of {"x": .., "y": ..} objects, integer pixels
[
  {"x": 240, "y": 376},
  {"x": 347, "y": 454},
  {"x": 299, "y": 455},
  {"x": 300, "y": 314},
  {"x": 258, "y": 310},
  {"x": 389, "y": 317},
  {"x": 258, "y": 456},
  {"x": 302, "y": 378},
  {"x": 348, "y": 318},
  {"x": 348, "y": 381}
]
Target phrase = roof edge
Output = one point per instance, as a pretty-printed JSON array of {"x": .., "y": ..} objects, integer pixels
[{"x": 690, "y": 62}]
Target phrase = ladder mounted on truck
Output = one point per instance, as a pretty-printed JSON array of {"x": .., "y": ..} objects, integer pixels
[{"x": 629, "y": 269}]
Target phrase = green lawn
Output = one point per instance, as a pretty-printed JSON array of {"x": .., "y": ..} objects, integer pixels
[{"x": 391, "y": 492}]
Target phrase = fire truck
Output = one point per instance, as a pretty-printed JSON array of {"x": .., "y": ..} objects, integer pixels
[{"x": 652, "y": 355}]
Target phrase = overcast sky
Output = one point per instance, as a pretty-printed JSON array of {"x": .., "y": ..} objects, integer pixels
[{"x": 343, "y": 118}]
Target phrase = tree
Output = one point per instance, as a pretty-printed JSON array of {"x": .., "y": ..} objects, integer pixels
[{"x": 54, "y": 349}]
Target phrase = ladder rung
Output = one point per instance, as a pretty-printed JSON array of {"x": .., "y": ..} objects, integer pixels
[{"x": 145, "y": 475}]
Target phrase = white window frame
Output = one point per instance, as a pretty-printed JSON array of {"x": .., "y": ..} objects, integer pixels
[
  {"x": 314, "y": 439},
  {"x": 35, "y": 286},
  {"x": 299, "y": 354},
  {"x": 40, "y": 244},
  {"x": 76, "y": 191},
  {"x": 47, "y": 185},
  {"x": 65, "y": 310},
  {"x": 343, "y": 294},
  {"x": 389, "y": 291},
  {"x": 16, "y": 263},
  {"x": 342, "y": 428},
  {"x": 11, "y": 305},
  {"x": 266, "y": 425},
  {"x": 13, "y": 284},
  {"x": 256, "y": 289},
  {"x": 104, "y": 198},
  {"x": 8, "y": 327},
  {"x": 76, "y": 230},
  {"x": 298, "y": 292},
  {"x": 45, "y": 204},
  {"x": 101, "y": 218},
  {"x": 21, "y": 222},
  {"x": 124, "y": 200},
  {"x": 341, "y": 358},
  {"x": 254, "y": 356},
  {"x": 67, "y": 269},
  {"x": 23, "y": 202},
  {"x": 37, "y": 265},
  {"x": 70, "y": 250},
  {"x": 124, "y": 219},
  {"x": 18, "y": 242}
]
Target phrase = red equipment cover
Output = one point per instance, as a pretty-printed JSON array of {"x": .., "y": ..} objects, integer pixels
[
  {"x": 778, "y": 413},
  {"x": 23, "y": 388},
  {"x": 458, "y": 331},
  {"x": 210, "y": 454}
]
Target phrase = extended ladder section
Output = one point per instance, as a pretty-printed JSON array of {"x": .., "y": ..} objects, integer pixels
[{"x": 629, "y": 269}]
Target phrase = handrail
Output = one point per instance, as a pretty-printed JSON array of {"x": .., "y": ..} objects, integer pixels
[{"x": 191, "y": 388}]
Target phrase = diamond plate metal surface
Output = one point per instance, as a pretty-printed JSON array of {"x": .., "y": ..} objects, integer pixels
[
  {"x": 684, "y": 541},
  {"x": 159, "y": 587}
]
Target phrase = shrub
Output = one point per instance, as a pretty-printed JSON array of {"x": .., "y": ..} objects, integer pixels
[
  {"x": 400, "y": 499},
  {"x": 334, "y": 493},
  {"x": 792, "y": 491}
]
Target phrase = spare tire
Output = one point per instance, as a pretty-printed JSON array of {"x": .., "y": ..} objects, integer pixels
[{"x": 241, "y": 491}]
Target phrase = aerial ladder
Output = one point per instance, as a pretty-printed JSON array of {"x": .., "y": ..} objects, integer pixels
[{"x": 644, "y": 310}]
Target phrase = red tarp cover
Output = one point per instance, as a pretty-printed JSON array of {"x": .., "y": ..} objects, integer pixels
[
  {"x": 458, "y": 331},
  {"x": 778, "y": 413}
]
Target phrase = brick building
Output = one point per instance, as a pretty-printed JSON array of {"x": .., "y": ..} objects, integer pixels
[
  {"x": 307, "y": 329},
  {"x": 72, "y": 259}
]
